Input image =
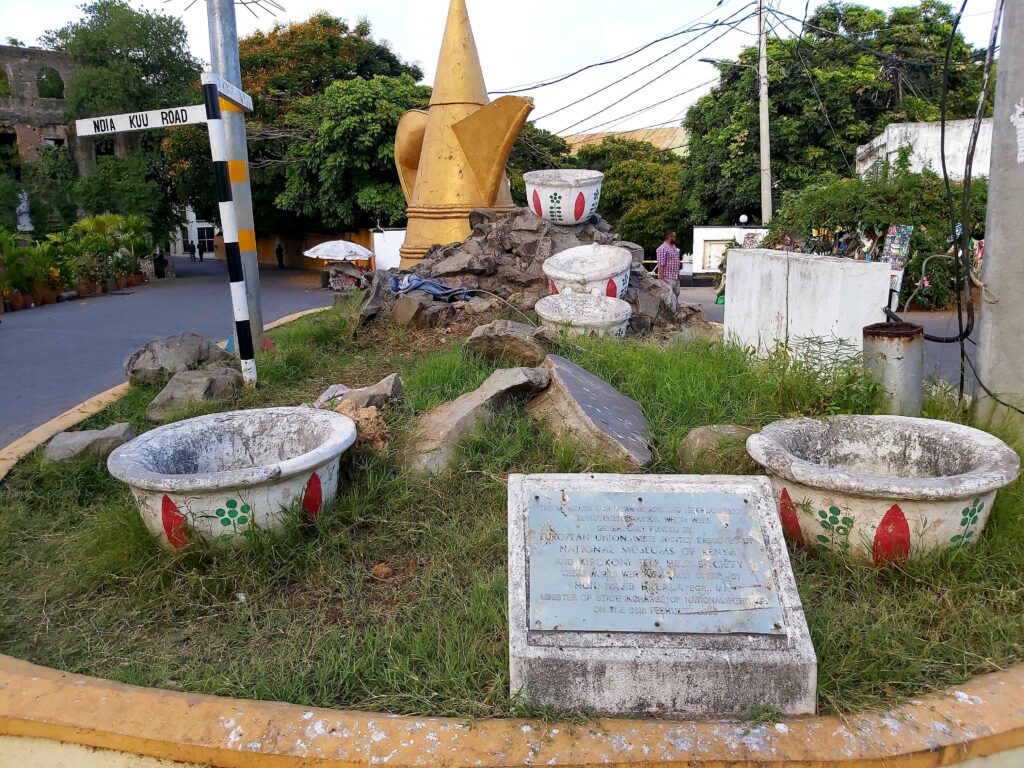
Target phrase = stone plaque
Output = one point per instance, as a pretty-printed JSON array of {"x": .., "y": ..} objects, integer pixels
[
  {"x": 654, "y": 594},
  {"x": 686, "y": 562}
]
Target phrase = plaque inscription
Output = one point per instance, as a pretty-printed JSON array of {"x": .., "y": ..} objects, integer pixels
[{"x": 673, "y": 562}]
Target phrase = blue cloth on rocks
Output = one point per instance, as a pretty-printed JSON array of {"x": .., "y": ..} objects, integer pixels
[{"x": 400, "y": 284}]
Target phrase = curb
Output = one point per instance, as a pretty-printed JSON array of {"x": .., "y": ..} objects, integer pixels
[{"x": 13, "y": 453}]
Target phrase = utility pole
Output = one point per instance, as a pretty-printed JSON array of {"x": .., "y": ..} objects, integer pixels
[
  {"x": 766, "y": 144},
  {"x": 224, "y": 62},
  {"x": 1000, "y": 352}
]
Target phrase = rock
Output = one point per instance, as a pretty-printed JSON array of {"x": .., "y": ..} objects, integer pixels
[
  {"x": 463, "y": 263},
  {"x": 480, "y": 217},
  {"x": 408, "y": 308},
  {"x": 193, "y": 386},
  {"x": 478, "y": 306},
  {"x": 370, "y": 425},
  {"x": 88, "y": 443},
  {"x": 582, "y": 406},
  {"x": 701, "y": 439},
  {"x": 438, "y": 432},
  {"x": 510, "y": 340},
  {"x": 436, "y": 315},
  {"x": 375, "y": 298},
  {"x": 636, "y": 251},
  {"x": 388, "y": 391},
  {"x": 161, "y": 359},
  {"x": 330, "y": 395}
]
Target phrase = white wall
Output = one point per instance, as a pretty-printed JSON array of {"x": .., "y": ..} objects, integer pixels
[
  {"x": 925, "y": 141},
  {"x": 385, "y": 248},
  {"x": 714, "y": 237},
  {"x": 775, "y": 296},
  {"x": 192, "y": 224}
]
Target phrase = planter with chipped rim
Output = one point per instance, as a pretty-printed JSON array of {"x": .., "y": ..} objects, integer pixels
[
  {"x": 598, "y": 270},
  {"x": 883, "y": 488},
  {"x": 579, "y": 314},
  {"x": 222, "y": 477},
  {"x": 566, "y": 197}
]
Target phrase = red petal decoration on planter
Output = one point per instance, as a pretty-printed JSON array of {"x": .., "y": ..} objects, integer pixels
[
  {"x": 175, "y": 526},
  {"x": 537, "y": 208},
  {"x": 581, "y": 206},
  {"x": 892, "y": 539},
  {"x": 613, "y": 289},
  {"x": 554, "y": 287},
  {"x": 314, "y": 497},
  {"x": 790, "y": 519}
]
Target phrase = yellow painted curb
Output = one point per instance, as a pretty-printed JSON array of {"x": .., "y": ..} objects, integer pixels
[
  {"x": 14, "y": 452},
  {"x": 983, "y": 717}
]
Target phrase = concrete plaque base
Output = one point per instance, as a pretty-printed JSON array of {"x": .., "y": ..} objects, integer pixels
[{"x": 668, "y": 595}]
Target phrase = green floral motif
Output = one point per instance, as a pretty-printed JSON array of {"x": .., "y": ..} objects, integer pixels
[
  {"x": 235, "y": 517},
  {"x": 968, "y": 523},
  {"x": 593, "y": 205},
  {"x": 555, "y": 209},
  {"x": 836, "y": 526}
]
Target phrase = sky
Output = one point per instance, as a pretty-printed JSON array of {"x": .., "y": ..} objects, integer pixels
[{"x": 527, "y": 41}]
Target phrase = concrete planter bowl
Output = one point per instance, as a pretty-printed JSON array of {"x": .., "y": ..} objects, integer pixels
[
  {"x": 220, "y": 478},
  {"x": 599, "y": 270},
  {"x": 564, "y": 197},
  {"x": 579, "y": 314},
  {"x": 883, "y": 488}
]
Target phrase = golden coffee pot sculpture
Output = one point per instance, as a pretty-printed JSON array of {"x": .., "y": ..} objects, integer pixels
[{"x": 451, "y": 157}]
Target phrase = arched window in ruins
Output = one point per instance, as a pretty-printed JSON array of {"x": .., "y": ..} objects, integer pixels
[{"x": 50, "y": 84}]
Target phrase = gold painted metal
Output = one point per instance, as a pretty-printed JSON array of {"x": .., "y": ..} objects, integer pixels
[{"x": 451, "y": 157}]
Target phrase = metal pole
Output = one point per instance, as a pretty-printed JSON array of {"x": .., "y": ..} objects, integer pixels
[
  {"x": 1001, "y": 325},
  {"x": 239, "y": 305},
  {"x": 766, "y": 147},
  {"x": 224, "y": 62}
]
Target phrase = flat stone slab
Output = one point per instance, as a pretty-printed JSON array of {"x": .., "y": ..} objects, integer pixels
[
  {"x": 591, "y": 410},
  {"x": 669, "y": 595},
  {"x": 507, "y": 339},
  {"x": 88, "y": 443},
  {"x": 188, "y": 387}
]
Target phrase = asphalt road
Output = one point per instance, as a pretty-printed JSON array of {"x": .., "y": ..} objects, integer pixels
[
  {"x": 941, "y": 360},
  {"x": 54, "y": 357}
]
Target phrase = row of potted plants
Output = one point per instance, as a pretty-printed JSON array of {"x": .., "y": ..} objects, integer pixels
[{"x": 95, "y": 255}]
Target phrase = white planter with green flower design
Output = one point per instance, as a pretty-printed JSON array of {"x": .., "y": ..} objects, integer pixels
[
  {"x": 883, "y": 488},
  {"x": 564, "y": 196},
  {"x": 220, "y": 478}
]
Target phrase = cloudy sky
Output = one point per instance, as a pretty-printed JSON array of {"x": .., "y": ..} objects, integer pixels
[{"x": 527, "y": 41}]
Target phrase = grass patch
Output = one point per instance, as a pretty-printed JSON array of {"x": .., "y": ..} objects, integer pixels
[{"x": 304, "y": 619}]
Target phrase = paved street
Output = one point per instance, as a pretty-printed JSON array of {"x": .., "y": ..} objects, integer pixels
[
  {"x": 54, "y": 357},
  {"x": 942, "y": 360}
]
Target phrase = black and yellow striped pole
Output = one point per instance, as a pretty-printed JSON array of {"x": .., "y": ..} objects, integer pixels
[{"x": 229, "y": 226}]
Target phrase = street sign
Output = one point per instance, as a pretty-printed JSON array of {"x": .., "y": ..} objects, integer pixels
[
  {"x": 230, "y": 92},
  {"x": 141, "y": 121}
]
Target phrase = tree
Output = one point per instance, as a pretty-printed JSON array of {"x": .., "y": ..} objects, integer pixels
[
  {"x": 642, "y": 192},
  {"x": 49, "y": 181},
  {"x": 129, "y": 60},
  {"x": 127, "y": 186},
  {"x": 854, "y": 71},
  {"x": 341, "y": 161}
]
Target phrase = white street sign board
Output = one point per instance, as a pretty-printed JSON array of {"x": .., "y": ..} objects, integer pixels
[
  {"x": 230, "y": 92},
  {"x": 141, "y": 121}
]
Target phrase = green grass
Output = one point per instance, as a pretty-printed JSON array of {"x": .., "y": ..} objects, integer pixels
[{"x": 84, "y": 588}]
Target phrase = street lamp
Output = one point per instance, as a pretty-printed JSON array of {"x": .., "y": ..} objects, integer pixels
[{"x": 762, "y": 76}]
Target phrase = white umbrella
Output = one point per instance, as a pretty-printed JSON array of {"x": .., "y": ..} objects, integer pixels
[{"x": 339, "y": 250}]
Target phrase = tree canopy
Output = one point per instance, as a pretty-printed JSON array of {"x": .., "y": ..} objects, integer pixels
[{"x": 852, "y": 72}]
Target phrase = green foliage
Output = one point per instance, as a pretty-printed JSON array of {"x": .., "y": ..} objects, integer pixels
[
  {"x": 129, "y": 59},
  {"x": 49, "y": 181},
  {"x": 50, "y": 84},
  {"x": 344, "y": 173},
  {"x": 642, "y": 192},
  {"x": 860, "y": 93},
  {"x": 5, "y": 83},
  {"x": 129, "y": 186},
  {"x": 10, "y": 196},
  {"x": 893, "y": 195},
  {"x": 535, "y": 150}
]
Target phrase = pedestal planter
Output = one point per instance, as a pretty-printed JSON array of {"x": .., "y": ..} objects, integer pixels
[
  {"x": 221, "y": 477},
  {"x": 600, "y": 270},
  {"x": 564, "y": 197},
  {"x": 883, "y": 488},
  {"x": 577, "y": 314}
]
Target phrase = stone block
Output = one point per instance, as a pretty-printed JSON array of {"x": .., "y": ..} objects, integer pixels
[
  {"x": 189, "y": 387},
  {"x": 88, "y": 443},
  {"x": 509, "y": 340},
  {"x": 701, "y": 439},
  {"x": 159, "y": 360},
  {"x": 657, "y": 595}
]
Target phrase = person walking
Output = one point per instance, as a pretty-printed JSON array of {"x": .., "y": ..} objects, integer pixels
[
  {"x": 191, "y": 248},
  {"x": 668, "y": 260},
  {"x": 279, "y": 252}
]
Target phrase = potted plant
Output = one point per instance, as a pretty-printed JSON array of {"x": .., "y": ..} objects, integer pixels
[{"x": 136, "y": 239}]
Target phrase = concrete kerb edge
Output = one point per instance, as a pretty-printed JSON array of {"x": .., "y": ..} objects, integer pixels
[
  {"x": 14, "y": 452},
  {"x": 981, "y": 718}
]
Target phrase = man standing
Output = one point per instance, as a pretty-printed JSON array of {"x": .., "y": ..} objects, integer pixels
[
  {"x": 279, "y": 252},
  {"x": 191, "y": 248},
  {"x": 668, "y": 260}
]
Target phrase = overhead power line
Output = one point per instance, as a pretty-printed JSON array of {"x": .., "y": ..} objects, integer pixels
[{"x": 648, "y": 108}]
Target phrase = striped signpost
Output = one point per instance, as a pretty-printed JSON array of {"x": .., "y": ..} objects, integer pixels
[{"x": 216, "y": 91}]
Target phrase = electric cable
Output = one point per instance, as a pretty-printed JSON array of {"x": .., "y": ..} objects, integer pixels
[{"x": 648, "y": 108}]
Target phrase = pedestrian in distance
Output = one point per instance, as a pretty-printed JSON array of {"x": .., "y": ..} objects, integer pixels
[
  {"x": 279, "y": 252},
  {"x": 667, "y": 268},
  {"x": 191, "y": 248}
]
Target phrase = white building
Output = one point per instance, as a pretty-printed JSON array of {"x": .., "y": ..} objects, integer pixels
[
  {"x": 709, "y": 243},
  {"x": 193, "y": 230},
  {"x": 924, "y": 140}
]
